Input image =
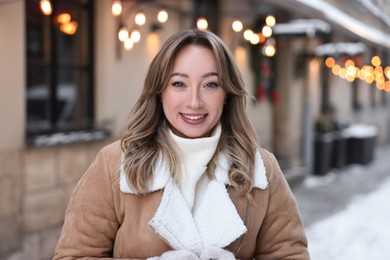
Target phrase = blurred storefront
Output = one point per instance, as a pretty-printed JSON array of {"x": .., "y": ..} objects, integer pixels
[{"x": 68, "y": 84}]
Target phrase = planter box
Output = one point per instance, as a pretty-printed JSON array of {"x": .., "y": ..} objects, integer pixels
[
  {"x": 361, "y": 142},
  {"x": 323, "y": 148}
]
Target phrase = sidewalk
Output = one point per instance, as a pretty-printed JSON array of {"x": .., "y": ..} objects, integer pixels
[
  {"x": 346, "y": 213},
  {"x": 319, "y": 197}
]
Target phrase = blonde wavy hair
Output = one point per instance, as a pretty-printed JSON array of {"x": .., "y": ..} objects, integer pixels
[{"x": 146, "y": 135}]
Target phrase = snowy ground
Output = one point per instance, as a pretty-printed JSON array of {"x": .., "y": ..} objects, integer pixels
[{"x": 360, "y": 231}]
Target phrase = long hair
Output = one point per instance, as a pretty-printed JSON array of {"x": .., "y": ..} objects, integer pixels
[{"x": 146, "y": 135}]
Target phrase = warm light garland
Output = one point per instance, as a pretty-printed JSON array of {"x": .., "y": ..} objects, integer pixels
[
  {"x": 46, "y": 7},
  {"x": 270, "y": 21},
  {"x": 123, "y": 34},
  {"x": 130, "y": 38},
  {"x": 373, "y": 73},
  {"x": 116, "y": 8},
  {"x": 202, "y": 23},
  {"x": 140, "y": 18},
  {"x": 262, "y": 36},
  {"x": 162, "y": 16},
  {"x": 237, "y": 26}
]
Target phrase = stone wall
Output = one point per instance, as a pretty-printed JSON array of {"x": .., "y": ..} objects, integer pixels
[{"x": 35, "y": 186}]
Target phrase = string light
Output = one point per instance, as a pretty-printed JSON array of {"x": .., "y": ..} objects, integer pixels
[
  {"x": 376, "y": 61},
  {"x": 69, "y": 28},
  {"x": 330, "y": 62},
  {"x": 135, "y": 36},
  {"x": 123, "y": 34},
  {"x": 371, "y": 74},
  {"x": 247, "y": 34},
  {"x": 270, "y": 21},
  {"x": 46, "y": 7},
  {"x": 162, "y": 16},
  {"x": 237, "y": 26},
  {"x": 202, "y": 23},
  {"x": 140, "y": 18},
  {"x": 266, "y": 31},
  {"x": 116, "y": 8},
  {"x": 64, "y": 18},
  {"x": 261, "y": 37},
  {"x": 269, "y": 50},
  {"x": 387, "y": 72},
  {"x": 128, "y": 44},
  {"x": 254, "y": 39}
]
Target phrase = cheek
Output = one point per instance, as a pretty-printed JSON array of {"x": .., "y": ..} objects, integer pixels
[
  {"x": 220, "y": 102},
  {"x": 168, "y": 103}
]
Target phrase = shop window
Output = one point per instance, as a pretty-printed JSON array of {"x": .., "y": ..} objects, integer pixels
[{"x": 59, "y": 49}]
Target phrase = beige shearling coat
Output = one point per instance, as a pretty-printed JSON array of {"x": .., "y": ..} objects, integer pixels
[{"x": 103, "y": 221}]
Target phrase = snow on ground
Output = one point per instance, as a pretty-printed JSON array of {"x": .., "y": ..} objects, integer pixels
[{"x": 361, "y": 231}]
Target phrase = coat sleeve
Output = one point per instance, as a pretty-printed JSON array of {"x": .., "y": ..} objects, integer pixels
[
  {"x": 90, "y": 224},
  {"x": 282, "y": 234}
]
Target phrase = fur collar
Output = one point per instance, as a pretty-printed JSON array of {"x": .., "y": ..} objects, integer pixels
[
  {"x": 216, "y": 223},
  {"x": 162, "y": 174}
]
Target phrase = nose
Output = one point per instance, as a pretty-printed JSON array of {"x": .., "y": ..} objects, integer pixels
[{"x": 195, "y": 99}]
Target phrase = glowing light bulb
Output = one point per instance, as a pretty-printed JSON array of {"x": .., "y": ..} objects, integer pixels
[
  {"x": 266, "y": 31},
  {"x": 202, "y": 24},
  {"x": 123, "y": 34},
  {"x": 237, "y": 26},
  {"x": 376, "y": 61},
  {"x": 254, "y": 39},
  {"x": 269, "y": 50},
  {"x": 270, "y": 21},
  {"x": 387, "y": 72},
  {"x": 247, "y": 34},
  {"x": 128, "y": 44},
  {"x": 116, "y": 8},
  {"x": 140, "y": 18},
  {"x": 162, "y": 16},
  {"x": 135, "y": 36},
  {"x": 46, "y": 7},
  {"x": 64, "y": 18},
  {"x": 330, "y": 62},
  {"x": 69, "y": 28}
]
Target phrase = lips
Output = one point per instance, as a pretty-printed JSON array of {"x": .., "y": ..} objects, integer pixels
[{"x": 193, "y": 119}]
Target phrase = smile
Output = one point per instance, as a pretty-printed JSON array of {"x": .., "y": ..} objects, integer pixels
[{"x": 194, "y": 117}]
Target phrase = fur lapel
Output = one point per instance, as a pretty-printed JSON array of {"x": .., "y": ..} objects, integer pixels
[
  {"x": 162, "y": 174},
  {"x": 174, "y": 222},
  {"x": 215, "y": 223}
]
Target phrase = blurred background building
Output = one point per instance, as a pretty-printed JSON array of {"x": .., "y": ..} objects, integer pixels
[{"x": 71, "y": 71}]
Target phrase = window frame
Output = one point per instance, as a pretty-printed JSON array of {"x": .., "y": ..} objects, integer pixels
[{"x": 54, "y": 66}]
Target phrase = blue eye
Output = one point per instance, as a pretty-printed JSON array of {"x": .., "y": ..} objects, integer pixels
[
  {"x": 212, "y": 85},
  {"x": 178, "y": 84}
]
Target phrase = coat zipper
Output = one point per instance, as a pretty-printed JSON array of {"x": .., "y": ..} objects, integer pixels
[{"x": 247, "y": 216}]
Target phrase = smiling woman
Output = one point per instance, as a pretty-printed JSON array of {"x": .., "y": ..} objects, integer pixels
[
  {"x": 193, "y": 100},
  {"x": 188, "y": 180}
]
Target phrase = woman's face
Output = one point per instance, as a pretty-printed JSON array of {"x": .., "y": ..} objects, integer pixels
[{"x": 193, "y": 100}]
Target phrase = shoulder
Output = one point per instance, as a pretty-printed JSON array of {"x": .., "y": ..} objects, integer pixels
[
  {"x": 269, "y": 159},
  {"x": 112, "y": 151},
  {"x": 275, "y": 176},
  {"x": 109, "y": 157},
  {"x": 270, "y": 164}
]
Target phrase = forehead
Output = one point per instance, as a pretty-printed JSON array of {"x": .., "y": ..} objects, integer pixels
[{"x": 195, "y": 57}]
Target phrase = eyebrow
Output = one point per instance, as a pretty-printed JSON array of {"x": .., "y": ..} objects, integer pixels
[{"x": 206, "y": 75}]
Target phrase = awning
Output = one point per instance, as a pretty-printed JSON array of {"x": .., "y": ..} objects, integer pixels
[
  {"x": 340, "y": 48},
  {"x": 352, "y": 24},
  {"x": 309, "y": 27}
]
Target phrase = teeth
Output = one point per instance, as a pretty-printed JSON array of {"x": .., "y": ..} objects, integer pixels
[{"x": 193, "y": 117}]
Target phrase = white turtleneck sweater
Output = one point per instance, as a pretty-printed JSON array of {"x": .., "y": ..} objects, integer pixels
[{"x": 195, "y": 154}]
